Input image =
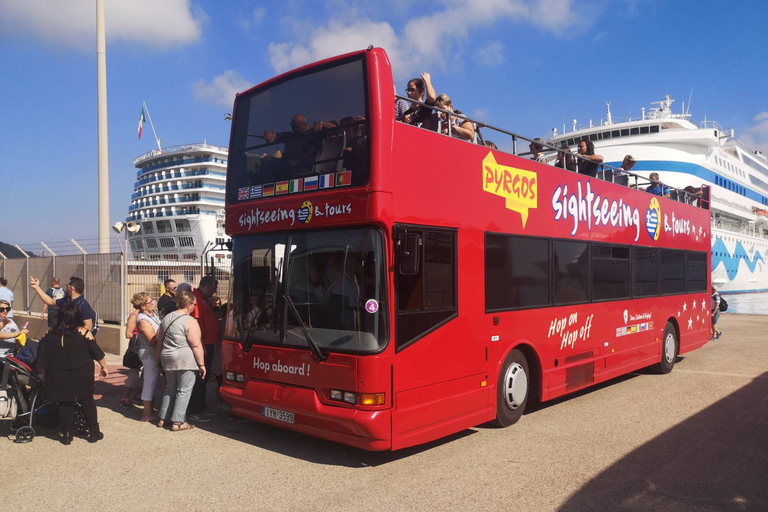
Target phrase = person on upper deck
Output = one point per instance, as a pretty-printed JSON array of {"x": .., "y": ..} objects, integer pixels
[
  {"x": 301, "y": 147},
  {"x": 620, "y": 175},
  {"x": 419, "y": 115},
  {"x": 589, "y": 161},
  {"x": 460, "y": 128},
  {"x": 565, "y": 159},
  {"x": 657, "y": 187},
  {"x": 536, "y": 147}
]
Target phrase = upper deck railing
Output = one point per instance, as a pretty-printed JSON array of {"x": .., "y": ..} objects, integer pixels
[{"x": 605, "y": 172}]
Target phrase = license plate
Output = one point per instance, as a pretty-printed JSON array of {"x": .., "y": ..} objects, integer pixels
[{"x": 276, "y": 414}]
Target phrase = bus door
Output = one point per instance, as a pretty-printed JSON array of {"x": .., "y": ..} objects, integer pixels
[{"x": 439, "y": 367}]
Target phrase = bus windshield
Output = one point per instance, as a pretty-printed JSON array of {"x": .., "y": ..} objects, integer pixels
[
  {"x": 305, "y": 132},
  {"x": 333, "y": 279}
]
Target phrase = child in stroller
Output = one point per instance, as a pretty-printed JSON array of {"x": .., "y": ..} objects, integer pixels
[{"x": 25, "y": 396}]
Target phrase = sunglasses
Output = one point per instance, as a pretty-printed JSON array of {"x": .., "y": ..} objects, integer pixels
[{"x": 2, "y": 310}]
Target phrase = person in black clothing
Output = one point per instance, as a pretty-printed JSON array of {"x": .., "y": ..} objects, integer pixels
[
  {"x": 589, "y": 161},
  {"x": 301, "y": 147},
  {"x": 417, "y": 114},
  {"x": 65, "y": 355},
  {"x": 167, "y": 303}
]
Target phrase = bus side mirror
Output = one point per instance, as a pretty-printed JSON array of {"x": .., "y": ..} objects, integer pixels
[{"x": 410, "y": 255}]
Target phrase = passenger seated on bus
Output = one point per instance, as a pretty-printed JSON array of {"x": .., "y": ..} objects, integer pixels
[
  {"x": 587, "y": 165},
  {"x": 490, "y": 144},
  {"x": 338, "y": 279},
  {"x": 252, "y": 316},
  {"x": 401, "y": 107},
  {"x": 460, "y": 128},
  {"x": 300, "y": 148},
  {"x": 620, "y": 175},
  {"x": 694, "y": 195},
  {"x": 565, "y": 159},
  {"x": 657, "y": 187},
  {"x": 355, "y": 152},
  {"x": 418, "y": 115},
  {"x": 536, "y": 147}
]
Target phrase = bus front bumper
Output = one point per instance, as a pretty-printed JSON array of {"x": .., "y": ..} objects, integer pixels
[{"x": 369, "y": 430}]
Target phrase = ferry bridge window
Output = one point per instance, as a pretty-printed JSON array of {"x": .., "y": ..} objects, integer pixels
[{"x": 308, "y": 127}]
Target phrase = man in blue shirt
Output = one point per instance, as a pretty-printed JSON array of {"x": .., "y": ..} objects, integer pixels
[
  {"x": 75, "y": 289},
  {"x": 55, "y": 292},
  {"x": 657, "y": 188}
]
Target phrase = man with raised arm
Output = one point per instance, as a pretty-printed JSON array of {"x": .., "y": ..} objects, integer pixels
[
  {"x": 75, "y": 288},
  {"x": 55, "y": 292}
]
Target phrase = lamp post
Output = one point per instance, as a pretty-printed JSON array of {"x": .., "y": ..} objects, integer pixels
[{"x": 117, "y": 227}]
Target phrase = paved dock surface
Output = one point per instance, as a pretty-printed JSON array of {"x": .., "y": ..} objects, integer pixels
[{"x": 696, "y": 439}]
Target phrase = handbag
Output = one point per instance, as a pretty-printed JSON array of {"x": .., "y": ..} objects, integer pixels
[{"x": 131, "y": 358}]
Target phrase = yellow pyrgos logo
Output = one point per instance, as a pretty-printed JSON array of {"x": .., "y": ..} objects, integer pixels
[{"x": 517, "y": 186}]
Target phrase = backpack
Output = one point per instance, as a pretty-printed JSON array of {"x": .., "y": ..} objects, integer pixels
[{"x": 723, "y": 304}]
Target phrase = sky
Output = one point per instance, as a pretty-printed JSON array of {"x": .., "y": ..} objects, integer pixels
[{"x": 523, "y": 65}]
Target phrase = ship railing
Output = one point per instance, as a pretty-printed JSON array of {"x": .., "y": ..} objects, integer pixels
[
  {"x": 560, "y": 156},
  {"x": 175, "y": 149}
]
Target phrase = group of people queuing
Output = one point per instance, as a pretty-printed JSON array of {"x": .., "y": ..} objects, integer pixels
[{"x": 179, "y": 344}]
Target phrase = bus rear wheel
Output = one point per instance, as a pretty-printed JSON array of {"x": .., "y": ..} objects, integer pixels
[
  {"x": 512, "y": 389},
  {"x": 669, "y": 349}
]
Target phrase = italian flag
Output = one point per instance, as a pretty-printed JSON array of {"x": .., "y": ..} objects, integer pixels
[{"x": 141, "y": 120}]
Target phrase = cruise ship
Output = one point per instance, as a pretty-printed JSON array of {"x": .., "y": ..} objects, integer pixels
[
  {"x": 178, "y": 201},
  {"x": 684, "y": 154}
]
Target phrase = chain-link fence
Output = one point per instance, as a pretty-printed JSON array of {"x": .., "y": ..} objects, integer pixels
[{"x": 103, "y": 276}]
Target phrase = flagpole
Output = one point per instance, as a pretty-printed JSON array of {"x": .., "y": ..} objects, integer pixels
[{"x": 152, "y": 125}]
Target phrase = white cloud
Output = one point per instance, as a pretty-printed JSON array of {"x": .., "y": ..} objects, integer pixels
[
  {"x": 258, "y": 14},
  {"x": 756, "y": 136},
  {"x": 481, "y": 114},
  {"x": 491, "y": 54},
  {"x": 431, "y": 41},
  {"x": 72, "y": 23},
  {"x": 221, "y": 90}
]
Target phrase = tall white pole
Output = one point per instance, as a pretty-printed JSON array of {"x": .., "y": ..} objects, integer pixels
[{"x": 101, "y": 72}]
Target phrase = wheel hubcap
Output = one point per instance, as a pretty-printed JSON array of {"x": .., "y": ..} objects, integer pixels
[
  {"x": 669, "y": 348},
  {"x": 515, "y": 386}
]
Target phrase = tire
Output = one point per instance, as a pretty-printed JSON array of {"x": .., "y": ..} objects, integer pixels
[
  {"x": 25, "y": 435},
  {"x": 512, "y": 389},
  {"x": 669, "y": 349}
]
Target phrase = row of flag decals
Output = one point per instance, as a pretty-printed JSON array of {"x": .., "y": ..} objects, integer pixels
[{"x": 339, "y": 179}]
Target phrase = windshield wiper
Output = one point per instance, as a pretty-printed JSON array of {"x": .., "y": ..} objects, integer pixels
[{"x": 319, "y": 356}]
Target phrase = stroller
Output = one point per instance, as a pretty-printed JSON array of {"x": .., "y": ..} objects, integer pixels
[{"x": 27, "y": 390}]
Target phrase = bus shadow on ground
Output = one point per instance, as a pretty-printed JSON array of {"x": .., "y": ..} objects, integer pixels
[{"x": 714, "y": 460}]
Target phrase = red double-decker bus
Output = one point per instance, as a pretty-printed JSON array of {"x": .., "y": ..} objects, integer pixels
[{"x": 393, "y": 285}]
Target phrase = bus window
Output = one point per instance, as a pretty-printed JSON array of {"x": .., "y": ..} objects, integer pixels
[
  {"x": 695, "y": 271},
  {"x": 571, "y": 278},
  {"x": 672, "y": 271},
  {"x": 301, "y": 133},
  {"x": 334, "y": 279},
  {"x": 516, "y": 272},
  {"x": 645, "y": 271},
  {"x": 610, "y": 271},
  {"x": 427, "y": 299}
]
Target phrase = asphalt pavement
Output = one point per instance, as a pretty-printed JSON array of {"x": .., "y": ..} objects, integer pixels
[{"x": 696, "y": 439}]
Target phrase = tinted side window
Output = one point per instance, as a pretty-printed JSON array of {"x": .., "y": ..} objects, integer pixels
[
  {"x": 427, "y": 299},
  {"x": 672, "y": 271},
  {"x": 516, "y": 272},
  {"x": 695, "y": 271},
  {"x": 571, "y": 272},
  {"x": 645, "y": 271},
  {"x": 610, "y": 271}
]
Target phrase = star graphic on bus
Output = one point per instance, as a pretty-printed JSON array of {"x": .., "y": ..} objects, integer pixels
[
  {"x": 690, "y": 323},
  {"x": 694, "y": 305},
  {"x": 685, "y": 306},
  {"x": 702, "y": 304}
]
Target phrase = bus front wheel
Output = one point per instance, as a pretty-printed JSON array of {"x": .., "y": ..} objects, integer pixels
[
  {"x": 669, "y": 349},
  {"x": 512, "y": 390}
]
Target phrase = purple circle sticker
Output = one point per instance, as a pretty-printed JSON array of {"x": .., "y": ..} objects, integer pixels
[{"x": 371, "y": 305}]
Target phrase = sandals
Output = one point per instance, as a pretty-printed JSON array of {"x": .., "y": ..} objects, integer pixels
[
  {"x": 161, "y": 423},
  {"x": 181, "y": 426}
]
